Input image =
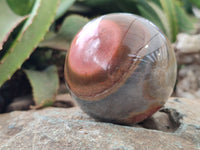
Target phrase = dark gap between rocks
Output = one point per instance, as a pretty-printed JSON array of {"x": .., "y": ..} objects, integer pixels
[{"x": 166, "y": 120}]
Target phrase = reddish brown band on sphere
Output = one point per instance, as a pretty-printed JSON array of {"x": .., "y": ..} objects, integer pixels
[
  {"x": 99, "y": 61},
  {"x": 93, "y": 49}
]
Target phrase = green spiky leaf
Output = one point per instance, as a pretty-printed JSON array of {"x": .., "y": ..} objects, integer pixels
[
  {"x": 33, "y": 31},
  {"x": 148, "y": 12},
  {"x": 9, "y": 21},
  {"x": 62, "y": 40},
  {"x": 162, "y": 17},
  {"x": 169, "y": 9},
  {"x": 177, "y": 18},
  {"x": 185, "y": 24},
  {"x": 21, "y": 7},
  {"x": 44, "y": 85},
  {"x": 63, "y": 7}
]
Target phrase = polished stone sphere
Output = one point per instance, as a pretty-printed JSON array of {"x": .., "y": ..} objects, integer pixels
[{"x": 120, "y": 68}]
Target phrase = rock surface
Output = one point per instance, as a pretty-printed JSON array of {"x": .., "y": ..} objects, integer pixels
[{"x": 71, "y": 129}]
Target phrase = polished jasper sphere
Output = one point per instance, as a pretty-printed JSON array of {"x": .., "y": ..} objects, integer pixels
[{"x": 120, "y": 68}]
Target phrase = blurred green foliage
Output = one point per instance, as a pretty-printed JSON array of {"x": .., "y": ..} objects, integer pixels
[
  {"x": 196, "y": 3},
  {"x": 21, "y": 7},
  {"x": 24, "y": 23}
]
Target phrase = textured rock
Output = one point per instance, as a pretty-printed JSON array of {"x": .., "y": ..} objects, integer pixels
[
  {"x": 187, "y": 48},
  {"x": 71, "y": 129},
  {"x": 188, "y": 43},
  {"x": 188, "y": 85}
]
